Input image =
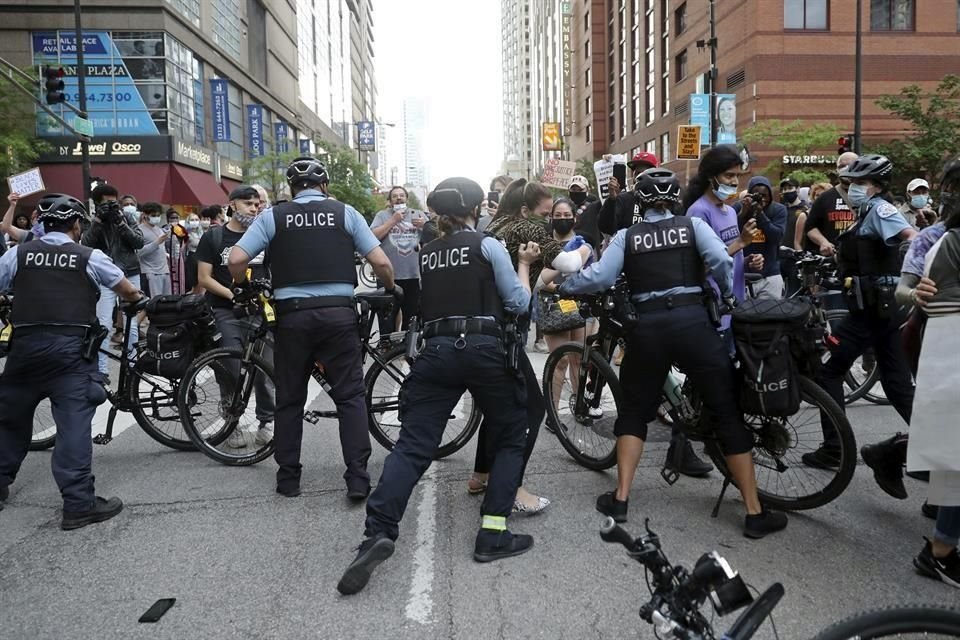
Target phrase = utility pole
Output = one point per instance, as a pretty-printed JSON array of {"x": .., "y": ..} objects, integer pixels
[
  {"x": 712, "y": 43},
  {"x": 858, "y": 82},
  {"x": 82, "y": 86}
]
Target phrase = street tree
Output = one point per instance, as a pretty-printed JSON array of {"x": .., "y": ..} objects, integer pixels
[
  {"x": 270, "y": 172},
  {"x": 19, "y": 145},
  {"x": 934, "y": 120},
  {"x": 796, "y": 138},
  {"x": 349, "y": 180}
]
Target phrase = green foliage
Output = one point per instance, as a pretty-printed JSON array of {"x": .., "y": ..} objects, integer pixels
[
  {"x": 585, "y": 169},
  {"x": 935, "y": 120},
  {"x": 807, "y": 177},
  {"x": 19, "y": 145},
  {"x": 270, "y": 171},
  {"x": 795, "y": 138}
]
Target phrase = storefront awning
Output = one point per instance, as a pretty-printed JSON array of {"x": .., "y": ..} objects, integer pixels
[{"x": 193, "y": 187}]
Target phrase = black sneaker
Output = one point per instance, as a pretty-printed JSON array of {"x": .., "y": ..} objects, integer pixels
[
  {"x": 358, "y": 492},
  {"x": 922, "y": 476},
  {"x": 946, "y": 569},
  {"x": 4, "y": 494},
  {"x": 826, "y": 458},
  {"x": 103, "y": 509},
  {"x": 886, "y": 460},
  {"x": 608, "y": 505},
  {"x": 689, "y": 464},
  {"x": 929, "y": 510},
  {"x": 289, "y": 491},
  {"x": 761, "y": 524},
  {"x": 497, "y": 545},
  {"x": 372, "y": 552}
]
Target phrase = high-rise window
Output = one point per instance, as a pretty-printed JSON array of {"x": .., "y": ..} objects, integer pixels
[
  {"x": 680, "y": 18},
  {"x": 665, "y": 148},
  {"x": 680, "y": 65},
  {"x": 806, "y": 14},
  {"x": 892, "y": 15},
  {"x": 189, "y": 9},
  {"x": 226, "y": 26}
]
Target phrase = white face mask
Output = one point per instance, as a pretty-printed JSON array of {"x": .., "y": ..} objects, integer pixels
[
  {"x": 204, "y": 224},
  {"x": 193, "y": 225},
  {"x": 130, "y": 210},
  {"x": 155, "y": 220},
  {"x": 725, "y": 191}
]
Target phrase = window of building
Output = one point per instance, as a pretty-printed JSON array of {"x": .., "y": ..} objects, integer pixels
[
  {"x": 586, "y": 21},
  {"x": 226, "y": 26},
  {"x": 665, "y": 94},
  {"x": 651, "y": 104},
  {"x": 665, "y": 148},
  {"x": 637, "y": 112},
  {"x": 613, "y": 128},
  {"x": 892, "y": 15},
  {"x": 589, "y": 133},
  {"x": 680, "y": 65},
  {"x": 806, "y": 14},
  {"x": 587, "y": 106},
  {"x": 586, "y": 50},
  {"x": 650, "y": 146},
  {"x": 958, "y": 15},
  {"x": 586, "y": 78},
  {"x": 680, "y": 18},
  {"x": 623, "y": 122},
  {"x": 189, "y": 9}
]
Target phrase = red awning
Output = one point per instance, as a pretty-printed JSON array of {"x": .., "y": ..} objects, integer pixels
[
  {"x": 228, "y": 185},
  {"x": 148, "y": 181},
  {"x": 193, "y": 187}
]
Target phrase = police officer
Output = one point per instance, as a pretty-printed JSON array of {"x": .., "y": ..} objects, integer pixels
[
  {"x": 55, "y": 283},
  {"x": 869, "y": 260},
  {"x": 663, "y": 259},
  {"x": 311, "y": 243},
  {"x": 468, "y": 288}
]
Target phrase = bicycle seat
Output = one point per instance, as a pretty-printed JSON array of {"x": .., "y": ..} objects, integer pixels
[
  {"x": 750, "y": 277},
  {"x": 378, "y": 299}
]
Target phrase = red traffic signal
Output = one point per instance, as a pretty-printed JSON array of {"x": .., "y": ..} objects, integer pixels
[
  {"x": 844, "y": 144},
  {"x": 54, "y": 84}
]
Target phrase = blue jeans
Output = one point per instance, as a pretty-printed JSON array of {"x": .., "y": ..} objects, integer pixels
[
  {"x": 948, "y": 526},
  {"x": 105, "y": 308}
]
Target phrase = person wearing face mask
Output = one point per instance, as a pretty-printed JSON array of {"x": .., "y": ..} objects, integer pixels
[
  {"x": 771, "y": 219},
  {"x": 211, "y": 216},
  {"x": 830, "y": 214},
  {"x": 194, "y": 233},
  {"x": 154, "y": 265},
  {"x": 868, "y": 258},
  {"x": 55, "y": 284},
  {"x": 663, "y": 258},
  {"x": 398, "y": 228},
  {"x": 793, "y": 233},
  {"x": 586, "y": 211},
  {"x": 560, "y": 319},
  {"x": 918, "y": 211},
  {"x": 620, "y": 210}
]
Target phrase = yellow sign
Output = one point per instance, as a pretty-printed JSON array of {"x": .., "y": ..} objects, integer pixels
[
  {"x": 551, "y": 137},
  {"x": 688, "y": 142}
]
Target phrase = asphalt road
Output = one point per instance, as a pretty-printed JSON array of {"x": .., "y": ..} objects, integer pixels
[{"x": 244, "y": 562}]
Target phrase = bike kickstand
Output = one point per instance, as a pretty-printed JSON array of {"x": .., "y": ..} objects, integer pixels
[
  {"x": 107, "y": 436},
  {"x": 723, "y": 491}
]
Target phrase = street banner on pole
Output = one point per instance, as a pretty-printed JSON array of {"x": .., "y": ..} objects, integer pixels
[
  {"x": 304, "y": 146},
  {"x": 367, "y": 135},
  {"x": 700, "y": 116},
  {"x": 221, "y": 110},
  {"x": 566, "y": 34},
  {"x": 558, "y": 173},
  {"x": 688, "y": 142},
  {"x": 255, "y": 130},
  {"x": 280, "y": 143},
  {"x": 551, "y": 137}
]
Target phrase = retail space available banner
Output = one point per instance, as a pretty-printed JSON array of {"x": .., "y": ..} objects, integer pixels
[{"x": 125, "y": 80}]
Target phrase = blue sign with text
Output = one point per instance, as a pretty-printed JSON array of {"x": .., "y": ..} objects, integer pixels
[
  {"x": 280, "y": 141},
  {"x": 726, "y": 117},
  {"x": 255, "y": 130},
  {"x": 221, "y": 110},
  {"x": 304, "y": 146},
  {"x": 367, "y": 136}
]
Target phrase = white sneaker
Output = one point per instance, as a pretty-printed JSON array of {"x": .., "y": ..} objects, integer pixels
[
  {"x": 540, "y": 346},
  {"x": 264, "y": 434},
  {"x": 237, "y": 440},
  {"x": 595, "y": 412}
]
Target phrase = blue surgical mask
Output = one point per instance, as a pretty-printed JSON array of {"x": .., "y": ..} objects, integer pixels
[
  {"x": 919, "y": 202},
  {"x": 725, "y": 191},
  {"x": 857, "y": 194}
]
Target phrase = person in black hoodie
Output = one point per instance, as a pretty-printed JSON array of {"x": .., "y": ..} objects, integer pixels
[{"x": 771, "y": 220}]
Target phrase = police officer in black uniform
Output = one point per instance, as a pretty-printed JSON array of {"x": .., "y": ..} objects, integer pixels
[
  {"x": 869, "y": 261},
  {"x": 663, "y": 258},
  {"x": 55, "y": 283},
  {"x": 468, "y": 289},
  {"x": 312, "y": 240}
]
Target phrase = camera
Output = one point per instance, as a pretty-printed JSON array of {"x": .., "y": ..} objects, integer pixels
[
  {"x": 109, "y": 212},
  {"x": 755, "y": 198}
]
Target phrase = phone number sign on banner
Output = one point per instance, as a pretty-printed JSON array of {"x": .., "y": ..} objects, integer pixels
[{"x": 221, "y": 110}]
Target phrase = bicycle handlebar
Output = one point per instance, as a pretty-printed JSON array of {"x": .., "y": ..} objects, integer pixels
[{"x": 610, "y": 531}]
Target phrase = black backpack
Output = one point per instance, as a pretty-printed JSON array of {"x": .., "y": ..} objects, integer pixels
[
  {"x": 774, "y": 342},
  {"x": 180, "y": 326}
]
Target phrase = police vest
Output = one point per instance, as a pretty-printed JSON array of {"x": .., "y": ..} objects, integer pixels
[
  {"x": 52, "y": 286},
  {"x": 223, "y": 240},
  {"x": 860, "y": 255},
  {"x": 662, "y": 255},
  {"x": 311, "y": 245},
  {"x": 456, "y": 280}
]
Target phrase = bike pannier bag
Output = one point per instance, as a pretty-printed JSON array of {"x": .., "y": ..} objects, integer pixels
[
  {"x": 765, "y": 332},
  {"x": 166, "y": 311},
  {"x": 168, "y": 351}
]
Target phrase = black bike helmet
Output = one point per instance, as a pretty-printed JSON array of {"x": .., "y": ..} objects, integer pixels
[
  {"x": 59, "y": 207},
  {"x": 657, "y": 185},
  {"x": 306, "y": 171},
  {"x": 456, "y": 197},
  {"x": 873, "y": 167}
]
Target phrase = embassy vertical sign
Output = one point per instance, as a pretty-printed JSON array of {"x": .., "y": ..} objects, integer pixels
[
  {"x": 566, "y": 33},
  {"x": 221, "y": 110},
  {"x": 255, "y": 130}
]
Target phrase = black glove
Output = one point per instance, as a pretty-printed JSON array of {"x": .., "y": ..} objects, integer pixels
[
  {"x": 243, "y": 293},
  {"x": 396, "y": 292}
]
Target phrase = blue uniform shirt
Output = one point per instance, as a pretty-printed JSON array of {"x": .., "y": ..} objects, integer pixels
[
  {"x": 100, "y": 268},
  {"x": 886, "y": 223},
  {"x": 600, "y": 276},
  {"x": 263, "y": 230}
]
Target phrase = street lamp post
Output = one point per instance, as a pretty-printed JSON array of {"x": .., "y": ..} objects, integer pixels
[
  {"x": 858, "y": 81},
  {"x": 82, "y": 86}
]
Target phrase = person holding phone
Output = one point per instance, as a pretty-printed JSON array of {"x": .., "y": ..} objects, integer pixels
[
  {"x": 490, "y": 206},
  {"x": 153, "y": 255},
  {"x": 620, "y": 208},
  {"x": 398, "y": 228}
]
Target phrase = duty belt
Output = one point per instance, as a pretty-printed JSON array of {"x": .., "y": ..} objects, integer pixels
[
  {"x": 50, "y": 329},
  {"x": 456, "y": 327},
  {"x": 301, "y": 304},
  {"x": 669, "y": 302}
]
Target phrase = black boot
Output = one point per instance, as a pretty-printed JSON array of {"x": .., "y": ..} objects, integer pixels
[
  {"x": 4, "y": 494},
  {"x": 496, "y": 545},
  {"x": 608, "y": 505},
  {"x": 886, "y": 459},
  {"x": 372, "y": 552},
  {"x": 688, "y": 463},
  {"x": 103, "y": 509}
]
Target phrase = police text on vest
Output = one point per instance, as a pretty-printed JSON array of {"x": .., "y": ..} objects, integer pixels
[
  {"x": 454, "y": 257},
  {"x": 662, "y": 239},
  {"x": 51, "y": 260},
  {"x": 310, "y": 220}
]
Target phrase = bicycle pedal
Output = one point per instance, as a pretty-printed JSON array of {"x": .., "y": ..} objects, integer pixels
[
  {"x": 669, "y": 475},
  {"x": 311, "y": 417},
  {"x": 102, "y": 439}
]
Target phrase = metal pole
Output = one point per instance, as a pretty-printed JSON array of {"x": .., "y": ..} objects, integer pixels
[
  {"x": 82, "y": 86},
  {"x": 858, "y": 82},
  {"x": 713, "y": 76}
]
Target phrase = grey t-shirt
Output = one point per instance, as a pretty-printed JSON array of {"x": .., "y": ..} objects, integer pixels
[
  {"x": 153, "y": 256},
  {"x": 401, "y": 243}
]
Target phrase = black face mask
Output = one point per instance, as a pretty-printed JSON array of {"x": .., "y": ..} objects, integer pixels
[
  {"x": 578, "y": 197},
  {"x": 790, "y": 197},
  {"x": 562, "y": 226}
]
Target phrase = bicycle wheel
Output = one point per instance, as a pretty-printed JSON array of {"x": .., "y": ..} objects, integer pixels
[
  {"x": 383, "y": 403},
  {"x": 585, "y": 429},
  {"x": 153, "y": 403},
  {"x": 863, "y": 373},
  {"x": 926, "y": 622},
  {"x": 783, "y": 480},
  {"x": 367, "y": 276},
  {"x": 217, "y": 400}
]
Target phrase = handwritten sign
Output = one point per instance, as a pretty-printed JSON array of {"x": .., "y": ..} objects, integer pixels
[
  {"x": 688, "y": 142},
  {"x": 603, "y": 169},
  {"x": 558, "y": 173},
  {"x": 26, "y": 183}
]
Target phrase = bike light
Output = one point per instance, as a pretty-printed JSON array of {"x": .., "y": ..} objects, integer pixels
[{"x": 731, "y": 595}]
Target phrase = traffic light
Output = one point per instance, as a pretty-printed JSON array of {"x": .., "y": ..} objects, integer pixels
[
  {"x": 845, "y": 144},
  {"x": 54, "y": 84}
]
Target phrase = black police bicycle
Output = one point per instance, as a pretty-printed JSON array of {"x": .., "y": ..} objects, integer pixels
[
  {"x": 218, "y": 403},
  {"x": 365, "y": 271},
  {"x": 678, "y": 595},
  {"x": 583, "y": 395},
  {"x": 152, "y": 400}
]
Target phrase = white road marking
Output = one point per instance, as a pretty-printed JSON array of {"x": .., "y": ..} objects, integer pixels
[{"x": 420, "y": 603}]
